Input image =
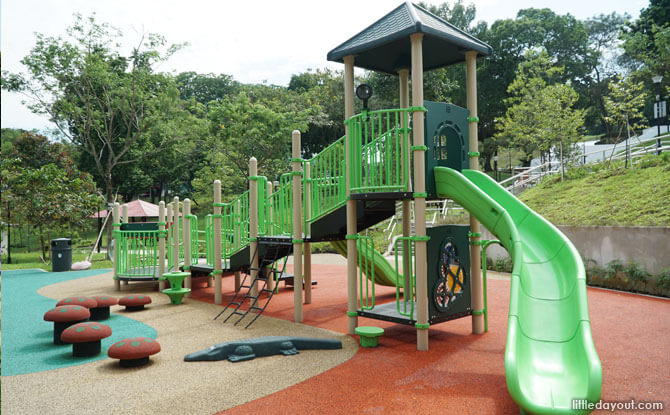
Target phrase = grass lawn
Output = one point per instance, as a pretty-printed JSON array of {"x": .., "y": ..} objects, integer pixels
[
  {"x": 613, "y": 196},
  {"x": 28, "y": 260}
]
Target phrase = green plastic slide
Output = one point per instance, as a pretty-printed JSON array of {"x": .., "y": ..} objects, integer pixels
[
  {"x": 384, "y": 272},
  {"x": 550, "y": 359}
]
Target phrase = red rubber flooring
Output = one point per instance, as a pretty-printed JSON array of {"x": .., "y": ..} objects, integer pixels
[{"x": 462, "y": 373}]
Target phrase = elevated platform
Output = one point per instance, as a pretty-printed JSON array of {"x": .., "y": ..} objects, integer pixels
[
  {"x": 389, "y": 312},
  {"x": 370, "y": 210}
]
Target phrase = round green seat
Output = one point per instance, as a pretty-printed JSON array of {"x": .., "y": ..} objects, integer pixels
[
  {"x": 176, "y": 292},
  {"x": 369, "y": 335}
]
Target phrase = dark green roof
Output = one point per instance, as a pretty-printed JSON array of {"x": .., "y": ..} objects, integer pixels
[{"x": 385, "y": 46}]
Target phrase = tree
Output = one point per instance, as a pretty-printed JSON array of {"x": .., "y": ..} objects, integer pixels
[
  {"x": 257, "y": 122},
  {"x": 603, "y": 31},
  {"x": 45, "y": 188},
  {"x": 540, "y": 114},
  {"x": 206, "y": 87},
  {"x": 625, "y": 103},
  {"x": 99, "y": 99}
]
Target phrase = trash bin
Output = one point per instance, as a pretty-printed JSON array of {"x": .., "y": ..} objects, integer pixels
[{"x": 61, "y": 254}]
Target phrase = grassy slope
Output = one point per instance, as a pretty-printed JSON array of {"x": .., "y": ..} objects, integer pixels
[{"x": 614, "y": 196}]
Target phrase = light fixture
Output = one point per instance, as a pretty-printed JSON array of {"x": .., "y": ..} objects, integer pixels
[{"x": 364, "y": 92}]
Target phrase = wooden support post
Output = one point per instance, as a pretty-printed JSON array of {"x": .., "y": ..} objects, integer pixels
[
  {"x": 217, "y": 243},
  {"x": 186, "y": 238},
  {"x": 161, "y": 243},
  {"x": 403, "y": 77},
  {"x": 116, "y": 225},
  {"x": 420, "y": 189},
  {"x": 352, "y": 253},
  {"x": 475, "y": 252},
  {"x": 297, "y": 228},
  {"x": 253, "y": 227},
  {"x": 307, "y": 268}
]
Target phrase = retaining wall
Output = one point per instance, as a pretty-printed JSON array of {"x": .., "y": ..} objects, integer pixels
[{"x": 648, "y": 246}]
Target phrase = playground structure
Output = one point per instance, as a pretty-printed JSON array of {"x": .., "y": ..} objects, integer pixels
[{"x": 421, "y": 151}]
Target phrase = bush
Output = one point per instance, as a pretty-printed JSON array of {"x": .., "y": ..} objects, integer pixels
[
  {"x": 663, "y": 279},
  {"x": 628, "y": 276}
]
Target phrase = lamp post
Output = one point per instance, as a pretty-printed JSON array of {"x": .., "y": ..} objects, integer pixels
[{"x": 659, "y": 110}]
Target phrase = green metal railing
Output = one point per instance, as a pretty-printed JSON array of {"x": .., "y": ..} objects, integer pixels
[
  {"x": 193, "y": 225},
  {"x": 136, "y": 253},
  {"x": 405, "y": 305},
  {"x": 278, "y": 209},
  {"x": 379, "y": 159},
  {"x": 328, "y": 188},
  {"x": 235, "y": 225},
  {"x": 209, "y": 239},
  {"x": 366, "y": 266}
]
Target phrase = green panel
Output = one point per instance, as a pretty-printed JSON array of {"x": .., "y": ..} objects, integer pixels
[
  {"x": 446, "y": 136},
  {"x": 550, "y": 358},
  {"x": 139, "y": 226},
  {"x": 448, "y": 244}
]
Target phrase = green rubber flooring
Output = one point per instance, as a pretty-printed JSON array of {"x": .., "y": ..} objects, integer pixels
[{"x": 27, "y": 340}]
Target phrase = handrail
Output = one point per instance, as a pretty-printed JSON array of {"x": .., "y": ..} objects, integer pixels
[
  {"x": 328, "y": 189},
  {"x": 378, "y": 151}
]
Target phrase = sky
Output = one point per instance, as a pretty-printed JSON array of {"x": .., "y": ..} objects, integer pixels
[{"x": 254, "y": 41}]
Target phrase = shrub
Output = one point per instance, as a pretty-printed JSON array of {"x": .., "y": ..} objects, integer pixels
[{"x": 663, "y": 279}]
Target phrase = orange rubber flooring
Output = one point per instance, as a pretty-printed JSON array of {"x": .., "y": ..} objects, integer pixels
[{"x": 462, "y": 373}]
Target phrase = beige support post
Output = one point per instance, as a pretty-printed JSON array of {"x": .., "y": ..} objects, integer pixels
[
  {"x": 175, "y": 234},
  {"x": 186, "y": 237},
  {"x": 217, "y": 242},
  {"x": 475, "y": 253},
  {"x": 161, "y": 243},
  {"x": 307, "y": 268},
  {"x": 253, "y": 227},
  {"x": 116, "y": 225},
  {"x": 352, "y": 253},
  {"x": 419, "y": 187},
  {"x": 297, "y": 229},
  {"x": 124, "y": 219},
  {"x": 403, "y": 76}
]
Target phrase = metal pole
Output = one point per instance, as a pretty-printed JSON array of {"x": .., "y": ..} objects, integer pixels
[
  {"x": 116, "y": 225},
  {"x": 162, "y": 237},
  {"x": 253, "y": 228},
  {"x": 186, "y": 229},
  {"x": 270, "y": 276},
  {"x": 124, "y": 219},
  {"x": 9, "y": 235},
  {"x": 217, "y": 242},
  {"x": 403, "y": 76},
  {"x": 175, "y": 233},
  {"x": 352, "y": 253},
  {"x": 297, "y": 229},
  {"x": 307, "y": 268}
]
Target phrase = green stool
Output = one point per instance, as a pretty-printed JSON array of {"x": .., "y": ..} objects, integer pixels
[
  {"x": 369, "y": 335},
  {"x": 176, "y": 292}
]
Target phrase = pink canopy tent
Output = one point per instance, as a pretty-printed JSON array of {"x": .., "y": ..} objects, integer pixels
[{"x": 136, "y": 209}]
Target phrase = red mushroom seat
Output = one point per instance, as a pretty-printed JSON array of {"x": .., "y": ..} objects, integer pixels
[
  {"x": 101, "y": 311},
  {"x": 134, "y": 351},
  {"x": 85, "y": 337},
  {"x": 65, "y": 316},
  {"x": 134, "y": 302},
  {"x": 82, "y": 301}
]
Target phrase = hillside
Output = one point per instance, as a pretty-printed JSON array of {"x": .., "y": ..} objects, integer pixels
[{"x": 601, "y": 195}]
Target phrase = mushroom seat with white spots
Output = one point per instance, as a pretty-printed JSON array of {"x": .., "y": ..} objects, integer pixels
[
  {"x": 65, "y": 316},
  {"x": 85, "y": 338},
  {"x": 134, "y": 302},
  {"x": 101, "y": 311},
  {"x": 81, "y": 300},
  {"x": 134, "y": 351}
]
